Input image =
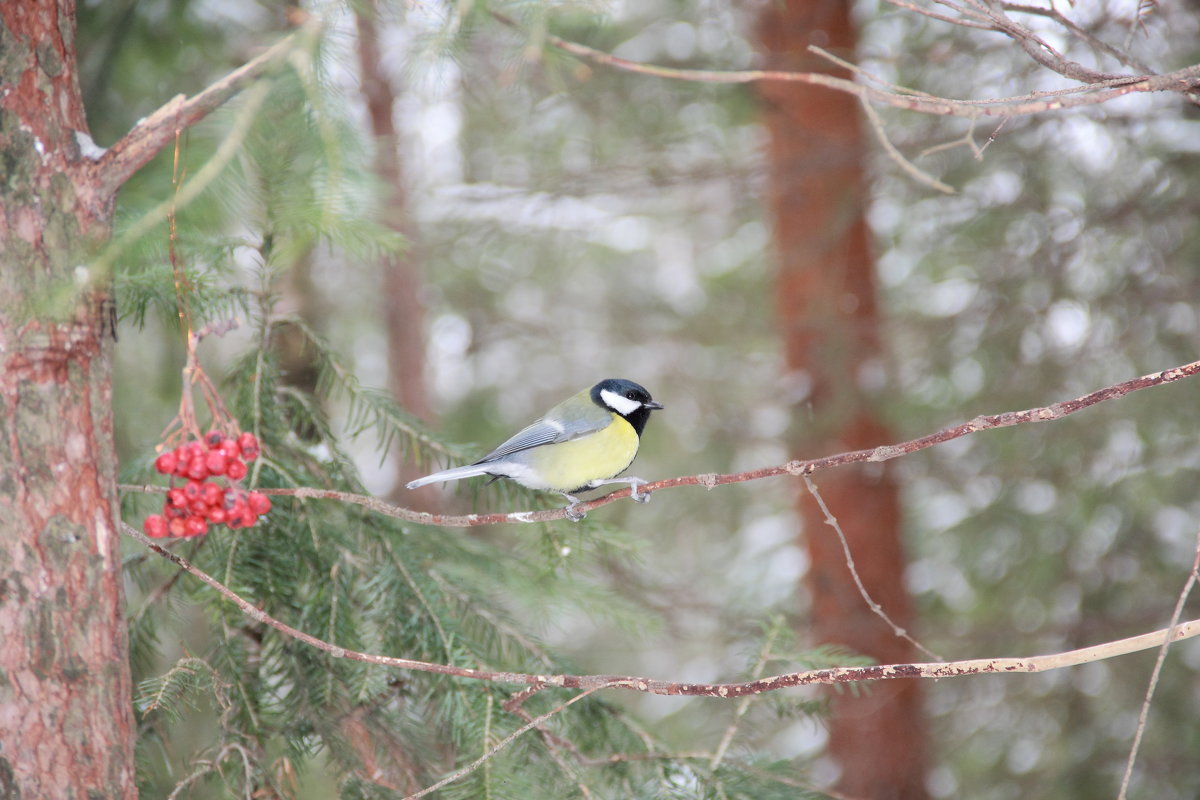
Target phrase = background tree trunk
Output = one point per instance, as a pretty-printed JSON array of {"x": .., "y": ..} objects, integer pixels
[
  {"x": 830, "y": 323},
  {"x": 403, "y": 312},
  {"x": 66, "y": 723}
]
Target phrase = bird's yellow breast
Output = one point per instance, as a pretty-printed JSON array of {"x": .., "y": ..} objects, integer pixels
[{"x": 570, "y": 466}]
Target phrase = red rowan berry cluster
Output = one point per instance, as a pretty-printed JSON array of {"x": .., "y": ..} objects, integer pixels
[{"x": 191, "y": 507}]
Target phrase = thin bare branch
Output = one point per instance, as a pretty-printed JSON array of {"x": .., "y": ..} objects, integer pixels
[
  {"x": 831, "y": 675},
  {"x": 966, "y": 140},
  {"x": 1040, "y": 50},
  {"x": 875, "y": 607},
  {"x": 866, "y": 75},
  {"x": 1188, "y": 585},
  {"x": 1098, "y": 87},
  {"x": 1086, "y": 36},
  {"x": 915, "y": 172},
  {"x": 978, "y": 23}
]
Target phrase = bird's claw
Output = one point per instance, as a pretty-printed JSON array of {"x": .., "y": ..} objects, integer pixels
[
  {"x": 633, "y": 491},
  {"x": 573, "y": 512}
]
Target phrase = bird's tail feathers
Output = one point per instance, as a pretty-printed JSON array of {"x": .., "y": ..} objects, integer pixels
[{"x": 454, "y": 474}]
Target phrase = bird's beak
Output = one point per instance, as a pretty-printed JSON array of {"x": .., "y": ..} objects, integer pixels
[{"x": 652, "y": 405}]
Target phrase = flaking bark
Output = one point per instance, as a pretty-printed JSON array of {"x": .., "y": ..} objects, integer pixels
[{"x": 66, "y": 722}]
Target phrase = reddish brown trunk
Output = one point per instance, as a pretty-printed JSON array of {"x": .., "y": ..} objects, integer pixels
[
  {"x": 830, "y": 323},
  {"x": 66, "y": 724},
  {"x": 404, "y": 314}
]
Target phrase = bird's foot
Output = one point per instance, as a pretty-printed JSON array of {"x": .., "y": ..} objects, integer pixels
[
  {"x": 634, "y": 483},
  {"x": 573, "y": 512}
]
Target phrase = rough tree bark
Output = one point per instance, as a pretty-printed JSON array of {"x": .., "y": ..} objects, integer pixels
[
  {"x": 66, "y": 721},
  {"x": 830, "y": 324}
]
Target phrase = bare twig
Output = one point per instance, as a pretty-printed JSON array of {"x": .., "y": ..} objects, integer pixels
[
  {"x": 850, "y": 66},
  {"x": 877, "y": 609},
  {"x": 1188, "y": 585},
  {"x": 912, "y": 169},
  {"x": 1144, "y": 9},
  {"x": 1039, "y": 49},
  {"x": 830, "y": 675},
  {"x": 1098, "y": 87},
  {"x": 977, "y": 23},
  {"x": 966, "y": 140},
  {"x": 1086, "y": 36}
]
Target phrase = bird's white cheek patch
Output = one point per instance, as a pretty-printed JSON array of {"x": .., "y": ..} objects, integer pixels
[{"x": 622, "y": 405}]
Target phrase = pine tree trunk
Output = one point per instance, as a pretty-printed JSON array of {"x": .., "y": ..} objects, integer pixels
[
  {"x": 403, "y": 312},
  {"x": 66, "y": 722},
  {"x": 830, "y": 324}
]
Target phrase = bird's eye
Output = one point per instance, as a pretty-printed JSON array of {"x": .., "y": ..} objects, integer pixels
[{"x": 631, "y": 394}]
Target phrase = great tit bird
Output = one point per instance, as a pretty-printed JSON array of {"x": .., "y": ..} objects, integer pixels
[{"x": 583, "y": 442}]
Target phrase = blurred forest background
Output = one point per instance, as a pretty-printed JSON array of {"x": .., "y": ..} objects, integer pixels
[{"x": 523, "y": 223}]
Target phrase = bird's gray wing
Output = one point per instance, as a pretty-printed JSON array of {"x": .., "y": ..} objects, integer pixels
[{"x": 554, "y": 428}]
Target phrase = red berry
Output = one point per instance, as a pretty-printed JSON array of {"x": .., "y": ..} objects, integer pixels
[
  {"x": 197, "y": 470},
  {"x": 217, "y": 516},
  {"x": 174, "y": 512},
  {"x": 215, "y": 462},
  {"x": 248, "y": 444},
  {"x": 230, "y": 448},
  {"x": 155, "y": 526},
  {"x": 177, "y": 497},
  {"x": 196, "y": 526},
  {"x": 236, "y": 470},
  {"x": 181, "y": 461},
  {"x": 177, "y": 527},
  {"x": 166, "y": 462},
  {"x": 214, "y": 495},
  {"x": 213, "y": 439},
  {"x": 258, "y": 503},
  {"x": 193, "y": 490},
  {"x": 250, "y": 520},
  {"x": 195, "y": 450},
  {"x": 198, "y": 507},
  {"x": 237, "y": 514}
]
